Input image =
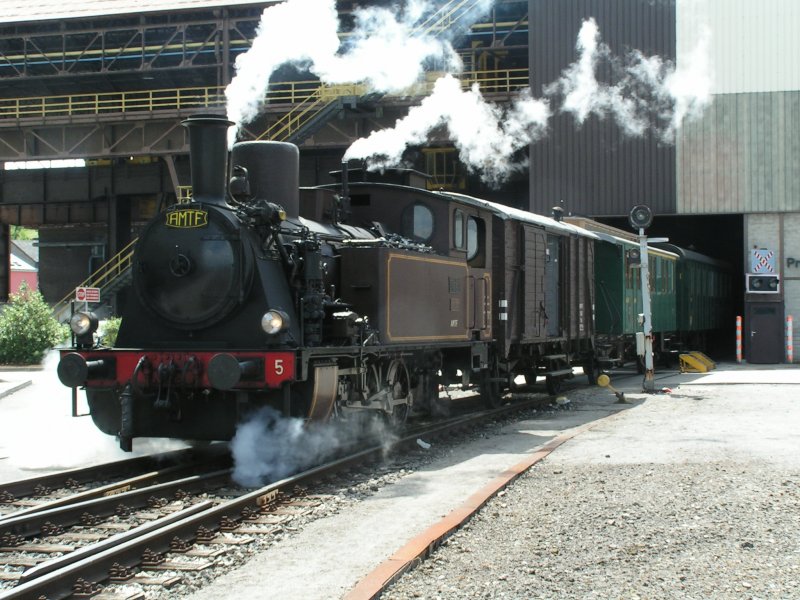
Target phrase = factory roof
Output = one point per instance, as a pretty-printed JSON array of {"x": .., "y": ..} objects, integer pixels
[{"x": 16, "y": 11}]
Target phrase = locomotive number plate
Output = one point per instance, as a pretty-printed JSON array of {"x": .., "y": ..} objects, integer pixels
[{"x": 187, "y": 218}]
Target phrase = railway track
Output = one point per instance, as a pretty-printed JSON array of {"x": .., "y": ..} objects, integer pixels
[
  {"x": 66, "y": 487},
  {"x": 123, "y": 543}
]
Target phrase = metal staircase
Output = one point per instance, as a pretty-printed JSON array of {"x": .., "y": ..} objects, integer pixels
[{"x": 112, "y": 276}]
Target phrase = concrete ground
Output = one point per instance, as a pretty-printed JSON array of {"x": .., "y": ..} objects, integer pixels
[
  {"x": 346, "y": 547},
  {"x": 37, "y": 434}
]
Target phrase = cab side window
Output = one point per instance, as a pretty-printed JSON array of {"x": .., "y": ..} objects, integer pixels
[
  {"x": 458, "y": 229},
  {"x": 418, "y": 222},
  {"x": 476, "y": 242}
]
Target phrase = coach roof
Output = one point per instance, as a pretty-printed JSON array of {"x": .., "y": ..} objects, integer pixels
[{"x": 508, "y": 212}]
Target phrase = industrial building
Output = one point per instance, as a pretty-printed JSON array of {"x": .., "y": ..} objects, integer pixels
[{"x": 110, "y": 82}]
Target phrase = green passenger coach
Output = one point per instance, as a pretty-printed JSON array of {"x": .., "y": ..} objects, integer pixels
[
  {"x": 619, "y": 297},
  {"x": 703, "y": 294}
]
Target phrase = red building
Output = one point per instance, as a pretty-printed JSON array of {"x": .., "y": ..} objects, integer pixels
[{"x": 24, "y": 265}]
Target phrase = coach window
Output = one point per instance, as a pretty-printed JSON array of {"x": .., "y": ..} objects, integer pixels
[
  {"x": 458, "y": 229},
  {"x": 476, "y": 242},
  {"x": 418, "y": 222}
]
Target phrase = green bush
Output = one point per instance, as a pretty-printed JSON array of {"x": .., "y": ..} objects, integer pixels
[
  {"x": 28, "y": 328},
  {"x": 109, "y": 330}
]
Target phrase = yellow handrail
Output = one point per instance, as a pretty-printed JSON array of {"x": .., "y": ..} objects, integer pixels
[
  {"x": 296, "y": 92},
  {"x": 490, "y": 82},
  {"x": 102, "y": 277}
]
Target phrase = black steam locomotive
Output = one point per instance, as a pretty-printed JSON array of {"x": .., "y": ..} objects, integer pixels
[{"x": 361, "y": 296}]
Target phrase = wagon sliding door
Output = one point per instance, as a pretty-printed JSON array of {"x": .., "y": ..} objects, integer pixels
[
  {"x": 552, "y": 278},
  {"x": 535, "y": 315}
]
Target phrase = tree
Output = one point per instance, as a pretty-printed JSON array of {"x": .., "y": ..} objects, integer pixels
[{"x": 28, "y": 328}]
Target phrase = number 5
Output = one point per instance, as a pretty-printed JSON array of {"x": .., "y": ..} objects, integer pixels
[{"x": 278, "y": 366}]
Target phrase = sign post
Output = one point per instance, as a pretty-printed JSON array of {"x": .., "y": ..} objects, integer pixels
[{"x": 90, "y": 295}]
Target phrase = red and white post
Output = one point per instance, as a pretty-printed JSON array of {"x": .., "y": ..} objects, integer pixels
[
  {"x": 738, "y": 339},
  {"x": 789, "y": 340}
]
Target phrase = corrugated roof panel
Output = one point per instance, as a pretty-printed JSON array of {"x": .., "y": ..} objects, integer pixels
[{"x": 14, "y": 11}]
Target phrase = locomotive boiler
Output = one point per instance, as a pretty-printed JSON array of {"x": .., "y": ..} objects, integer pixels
[{"x": 328, "y": 301}]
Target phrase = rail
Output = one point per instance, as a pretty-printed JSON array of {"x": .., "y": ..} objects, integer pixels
[
  {"x": 102, "y": 278},
  {"x": 293, "y": 93}
]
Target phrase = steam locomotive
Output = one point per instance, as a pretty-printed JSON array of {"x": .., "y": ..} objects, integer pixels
[{"x": 323, "y": 302}]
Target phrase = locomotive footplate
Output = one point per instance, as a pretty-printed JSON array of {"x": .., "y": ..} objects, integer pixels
[{"x": 162, "y": 370}]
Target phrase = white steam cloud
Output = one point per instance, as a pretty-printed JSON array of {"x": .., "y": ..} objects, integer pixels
[
  {"x": 485, "y": 135},
  {"x": 269, "y": 447},
  {"x": 387, "y": 50},
  {"x": 651, "y": 95}
]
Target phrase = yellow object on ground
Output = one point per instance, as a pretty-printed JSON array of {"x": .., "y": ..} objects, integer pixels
[{"x": 696, "y": 362}]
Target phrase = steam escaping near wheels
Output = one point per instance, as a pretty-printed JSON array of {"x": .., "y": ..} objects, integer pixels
[{"x": 269, "y": 447}]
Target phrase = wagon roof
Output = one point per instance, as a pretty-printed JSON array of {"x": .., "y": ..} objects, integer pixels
[
  {"x": 695, "y": 256},
  {"x": 613, "y": 239},
  {"x": 508, "y": 212},
  {"x": 500, "y": 210}
]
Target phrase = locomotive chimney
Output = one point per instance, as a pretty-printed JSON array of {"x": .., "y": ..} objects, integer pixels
[
  {"x": 273, "y": 172},
  {"x": 208, "y": 157}
]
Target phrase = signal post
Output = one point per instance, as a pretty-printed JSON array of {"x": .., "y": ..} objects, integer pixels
[{"x": 641, "y": 217}]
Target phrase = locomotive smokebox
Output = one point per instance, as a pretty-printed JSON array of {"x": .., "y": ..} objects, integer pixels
[
  {"x": 273, "y": 171},
  {"x": 208, "y": 157}
]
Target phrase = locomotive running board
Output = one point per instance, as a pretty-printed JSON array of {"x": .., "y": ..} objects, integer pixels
[{"x": 326, "y": 383}]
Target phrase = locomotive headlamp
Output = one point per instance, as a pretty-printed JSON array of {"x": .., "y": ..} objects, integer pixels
[
  {"x": 83, "y": 323},
  {"x": 274, "y": 321}
]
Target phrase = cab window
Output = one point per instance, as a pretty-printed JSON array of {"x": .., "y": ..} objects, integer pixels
[
  {"x": 458, "y": 229},
  {"x": 476, "y": 242},
  {"x": 418, "y": 222}
]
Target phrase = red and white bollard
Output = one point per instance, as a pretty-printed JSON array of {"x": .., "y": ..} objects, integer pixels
[
  {"x": 738, "y": 339},
  {"x": 789, "y": 340}
]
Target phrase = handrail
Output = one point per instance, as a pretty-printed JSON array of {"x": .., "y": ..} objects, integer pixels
[
  {"x": 490, "y": 81},
  {"x": 102, "y": 277},
  {"x": 443, "y": 18},
  {"x": 295, "y": 92}
]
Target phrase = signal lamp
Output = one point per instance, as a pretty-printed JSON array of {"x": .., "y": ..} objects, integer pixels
[
  {"x": 633, "y": 257},
  {"x": 763, "y": 284},
  {"x": 640, "y": 217}
]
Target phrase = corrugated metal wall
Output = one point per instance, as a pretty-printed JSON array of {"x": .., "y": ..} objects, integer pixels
[
  {"x": 754, "y": 44},
  {"x": 595, "y": 170},
  {"x": 742, "y": 156}
]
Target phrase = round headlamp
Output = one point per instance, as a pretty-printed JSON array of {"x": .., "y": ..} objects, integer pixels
[
  {"x": 82, "y": 323},
  {"x": 274, "y": 321}
]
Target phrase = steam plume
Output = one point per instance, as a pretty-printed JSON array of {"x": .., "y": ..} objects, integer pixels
[
  {"x": 651, "y": 95},
  {"x": 485, "y": 135},
  {"x": 387, "y": 49},
  {"x": 269, "y": 447}
]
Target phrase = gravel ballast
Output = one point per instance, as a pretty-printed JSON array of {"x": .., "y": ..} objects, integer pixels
[{"x": 693, "y": 494}]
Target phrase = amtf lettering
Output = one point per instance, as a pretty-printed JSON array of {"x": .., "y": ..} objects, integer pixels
[{"x": 185, "y": 219}]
